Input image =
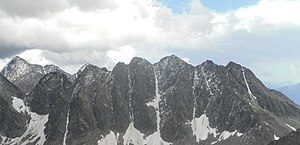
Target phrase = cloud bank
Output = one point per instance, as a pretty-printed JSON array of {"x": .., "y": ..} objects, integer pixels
[{"x": 69, "y": 33}]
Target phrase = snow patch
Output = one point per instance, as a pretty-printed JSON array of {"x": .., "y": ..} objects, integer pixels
[
  {"x": 19, "y": 105},
  {"x": 238, "y": 134},
  {"x": 110, "y": 139},
  {"x": 226, "y": 134},
  {"x": 35, "y": 128},
  {"x": 294, "y": 129},
  {"x": 155, "y": 139},
  {"x": 133, "y": 136},
  {"x": 276, "y": 137},
  {"x": 201, "y": 128}
]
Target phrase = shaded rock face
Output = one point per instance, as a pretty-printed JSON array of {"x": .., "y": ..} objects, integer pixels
[
  {"x": 25, "y": 75},
  {"x": 169, "y": 102},
  {"x": 12, "y": 122},
  {"x": 51, "y": 96},
  {"x": 90, "y": 108},
  {"x": 175, "y": 81}
]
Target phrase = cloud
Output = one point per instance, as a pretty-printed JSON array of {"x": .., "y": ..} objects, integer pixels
[
  {"x": 35, "y": 56},
  {"x": 32, "y": 8},
  {"x": 88, "y": 5},
  {"x": 125, "y": 54},
  {"x": 70, "y": 33}
]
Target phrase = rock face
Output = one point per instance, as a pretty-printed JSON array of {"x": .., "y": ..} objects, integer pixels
[
  {"x": 292, "y": 138},
  {"x": 51, "y": 97},
  {"x": 12, "y": 120},
  {"x": 25, "y": 75},
  {"x": 169, "y": 102}
]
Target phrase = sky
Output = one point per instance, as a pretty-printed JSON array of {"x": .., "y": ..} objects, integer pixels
[{"x": 263, "y": 35}]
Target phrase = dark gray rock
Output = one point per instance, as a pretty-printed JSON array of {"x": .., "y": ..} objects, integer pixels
[
  {"x": 175, "y": 82},
  {"x": 12, "y": 123},
  {"x": 227, "y": 103},
  {"x": 90, "y": 108},
  {"x": 51, "y": 96},
  {"x": 292, "y": 138},
  {"x": 142, "y": 91}
]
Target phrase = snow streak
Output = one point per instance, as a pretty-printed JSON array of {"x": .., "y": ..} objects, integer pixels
[
  {"x": 130, "y": 97},
  {"x": 293, "y": 128},
  {"x": 66, "y": 132},
  {"x": 207, "y": 84},
  {"x": 248, "y": 88},
  {"x": 155, "y": 138},
  {"x": 196, "y": 79}
]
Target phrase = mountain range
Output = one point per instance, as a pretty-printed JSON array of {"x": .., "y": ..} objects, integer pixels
[
  {"x": 168, "y": 102},
  {"x": 292, "y": 91}
]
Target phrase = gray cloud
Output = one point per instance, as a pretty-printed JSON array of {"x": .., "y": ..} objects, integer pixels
[
  {"x": 70, "y": 33},
  {"x": 32, "y": 8},
  {"x": 88, "y": 5}
]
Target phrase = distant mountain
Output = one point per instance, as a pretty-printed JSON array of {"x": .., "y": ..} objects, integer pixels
[
  {"x": 25, "y": 75},
  {"x": 293, "y": 92},
  {"x": 169, "y": 102}
]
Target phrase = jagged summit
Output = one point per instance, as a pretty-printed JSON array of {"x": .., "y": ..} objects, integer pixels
[
  {"x": 168, "y": 102},
  {"x": 173, "y": 59},
  {"x": 26, "y": 75},
  {"x": 233, "y": 65}
]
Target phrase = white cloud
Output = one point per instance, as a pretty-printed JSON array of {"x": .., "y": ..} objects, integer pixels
[
  {"x": 34, "y": 56},
  {"x": 125, "y": 54},
  {"x": 70, "y": 33},
  {"x": 294, "y": 69},
  {"x": 271, "y": 11}
]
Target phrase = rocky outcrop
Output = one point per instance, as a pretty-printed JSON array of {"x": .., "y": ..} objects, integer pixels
[
  {"x": 169, "y": 102},
  {"x": 292, "y": 138},
  {"x": 12, "y": 119}
]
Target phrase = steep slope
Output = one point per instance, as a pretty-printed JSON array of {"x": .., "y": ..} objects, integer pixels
[
  {"x": 293, "y": 92},
  {"x": 47, "y": 110},
  {"x": 169, "y": 102},
  {"x": 12, "y": 119},
  {"x": 292, "y": 138},
  {"x": 90, "y": 108},
  {"x": 25, "y": 75},
  {"x": 51, "y": 97}
]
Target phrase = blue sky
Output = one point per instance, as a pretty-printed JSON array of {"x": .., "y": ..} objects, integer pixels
[{"x": 178, "y": 6}]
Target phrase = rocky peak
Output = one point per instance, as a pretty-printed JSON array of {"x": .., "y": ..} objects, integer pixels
[
  {"x": 208, "y": 63},
  {"x": 52, "y": 68},
  {"x": 233, "y": 65},
  {"x": 15, "y": 67},
  {"x": 25, "y": 75},
  {"x": 172, "y": 60},
  {"x": 169, "y": 102}
]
